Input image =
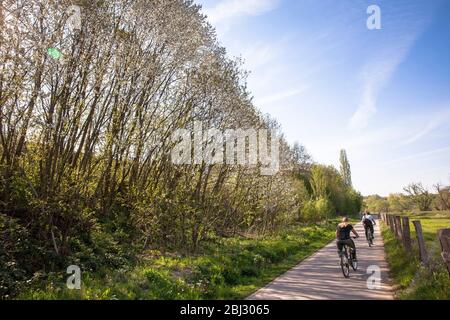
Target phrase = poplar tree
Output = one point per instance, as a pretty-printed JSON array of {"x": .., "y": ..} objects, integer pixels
[{"x": 345, "y": 168}]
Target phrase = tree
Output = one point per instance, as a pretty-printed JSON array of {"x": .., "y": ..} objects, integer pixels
[
  {"x": 301, "y": 158},
  {"x": 345, "y": 168},
  {"x": 442, "y": 197},
  {"x": 325, "y": 182},
  {"x": 376, "y": 203},
  {"x": 420, "y": 196},
  {"x": 86, "y": 141},
  {"x": 399, "y": 202}
]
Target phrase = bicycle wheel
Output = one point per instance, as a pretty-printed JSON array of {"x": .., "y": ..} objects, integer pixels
[
  {"x": 353, "y": 262},
  {"x": 345, "y": 266},
  {"x": 368, "y": 237},
  {"x": 354, "y": 265},
  {"x": 345, "y": 263}
]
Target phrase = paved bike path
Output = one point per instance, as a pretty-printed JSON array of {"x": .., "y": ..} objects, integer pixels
[{"x": 320, "y": 276}]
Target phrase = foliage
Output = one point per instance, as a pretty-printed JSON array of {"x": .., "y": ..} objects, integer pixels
[
  {"x": 417, "y": 198},
  {"x": 399, "y": 202},
  {"x": 329, "y": 194},
  {"x": 16, "y": 255},
  {"x": 345, "y": 168},
  {"x": 376, "y": 203},
  {"x": 86, "y": 169},
  {"x": 442, "y": 199},
  {"x": 225, "y": 269},
  {"x": 316, "y": 210}
]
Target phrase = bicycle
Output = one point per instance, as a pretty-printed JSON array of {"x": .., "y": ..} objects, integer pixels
[
  {"x": 347, "y": 260},
  {"x": 369, "y": 237}
]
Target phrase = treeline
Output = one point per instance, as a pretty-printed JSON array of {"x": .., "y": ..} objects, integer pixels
[
  {"x": 329, "y": 193},
  {"x": 414, "y": 198},
  {"x": 86, "y": 139}
]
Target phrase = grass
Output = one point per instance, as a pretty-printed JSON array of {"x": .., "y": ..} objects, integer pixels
[
  {"x": 430, "y": 228},
  {"x": 428, "y": 214},
  {"x": 229, "y": 268},
  {"x": 412, "y": 280},
  {"x": 402, "y": 266}
]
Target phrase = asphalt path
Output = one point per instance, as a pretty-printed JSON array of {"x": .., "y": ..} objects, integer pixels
[{"x": 319, "y": 277}]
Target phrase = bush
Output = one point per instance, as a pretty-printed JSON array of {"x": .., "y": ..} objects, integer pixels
[
  {"x": 324, "y": 208},
  {"x": 18, "y": 255},
  {"x": 101, "y": 251},
  {"x": 316, "y": 210},
  {"x": 163, "y": 286}
]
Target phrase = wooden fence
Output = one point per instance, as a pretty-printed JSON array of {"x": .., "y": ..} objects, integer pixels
[{"x": 400, "y": 227}]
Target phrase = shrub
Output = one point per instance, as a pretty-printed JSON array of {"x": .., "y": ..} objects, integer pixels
[
  {"x": 17, "y": 255},
  {"x": 316, "y": 210},
  {"x": 324, "y": 208}
]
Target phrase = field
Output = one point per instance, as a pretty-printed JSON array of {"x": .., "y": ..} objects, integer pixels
[
  {"x": 413, "y": 281},
  {"x": 226, "y": 269}
]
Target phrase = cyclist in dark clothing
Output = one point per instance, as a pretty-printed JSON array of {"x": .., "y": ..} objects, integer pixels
[
  {"x": 343, "y": 236},
  {"x": 368, "y": 222}
]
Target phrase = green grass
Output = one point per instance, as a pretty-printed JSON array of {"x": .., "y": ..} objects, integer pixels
[
  {"x": 402, "y": 266},
  {"x": 430, "y": 228},
  {"x": 427, "y": 214},
  {"x": 229, "y": 268},
  {"x": 413, "y": 281}
]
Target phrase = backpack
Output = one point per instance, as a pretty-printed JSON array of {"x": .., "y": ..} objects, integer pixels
[{"x": 367, "y": 222}]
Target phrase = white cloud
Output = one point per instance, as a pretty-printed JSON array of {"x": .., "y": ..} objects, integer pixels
[
  {"x": 434, "y": 123},
  {"x": 233, "y": 9},
  {"x": 260, "y": 54},
  {"x": 401, "y": 132},
  {"x": 376, "y": 75},
  {"x": 279, "y": 96},
  {"x": 403, "y": 29},
  {"x": 420, "y": 155}
]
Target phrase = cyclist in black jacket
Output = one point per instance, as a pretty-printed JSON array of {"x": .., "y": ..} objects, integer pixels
[{"x": 343, "y": 236}]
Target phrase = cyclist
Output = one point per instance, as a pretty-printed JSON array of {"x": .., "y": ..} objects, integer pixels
[
  {"x": 368, "y": 222},
  {"x": 343, "y": 236}
]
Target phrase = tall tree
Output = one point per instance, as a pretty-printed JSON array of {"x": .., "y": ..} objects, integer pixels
[{"x": 345, "y": 168}]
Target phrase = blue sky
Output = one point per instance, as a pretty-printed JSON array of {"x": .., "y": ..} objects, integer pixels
[{"x": 383, "y": 95}]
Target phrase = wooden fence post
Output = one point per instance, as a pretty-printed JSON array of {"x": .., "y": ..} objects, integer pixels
[
  {"x": 395, "y": 226},
  {"x": 444, "y": 238},
  {"x": 422, "y": 249},
  {"x": 398, "y": 227},
  {"x": 406, "y": 234}
]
